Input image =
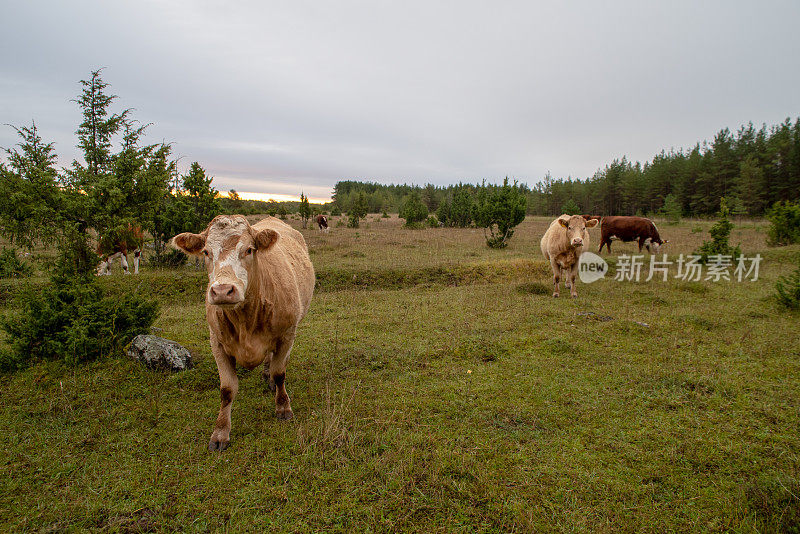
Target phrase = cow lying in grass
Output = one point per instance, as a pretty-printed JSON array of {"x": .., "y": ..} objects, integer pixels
[
  {"x": 260, "y": 286},
  {"x": 562, "y": 245}
]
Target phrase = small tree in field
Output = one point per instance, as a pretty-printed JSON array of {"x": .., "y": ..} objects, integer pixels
[
  {"x": 304, "y": 210},
  {"x": 413, "y": 210},
  {"x": 498, "y": 211},
  {"x": 671, "y": 209},
  {"x": 784, "y": 228},
  {"x": 720, "y": 233},
  {"x": 570, "y": 208},
  {"x": 358, "y": 210},
  {"x": 463, "y": 208}
]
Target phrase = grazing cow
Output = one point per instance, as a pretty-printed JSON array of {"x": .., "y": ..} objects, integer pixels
[
  {"x": 322, "y": 223},
  {"x": 562, "y": 245},
  {"x": 630, "y": 229},
  {"x": 260, "y": 286},
  {"x": 116, "y": 245}
]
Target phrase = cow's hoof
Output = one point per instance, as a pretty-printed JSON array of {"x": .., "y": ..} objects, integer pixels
[
  {"x": 555, "y": 295},
  {"x": 284, "y": 414},
  {"x": 218, "y": 446}
]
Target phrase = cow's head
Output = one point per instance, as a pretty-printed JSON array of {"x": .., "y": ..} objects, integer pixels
[
  {"x": 576, "y": 227},
  {"x": 228, "y": 247},
  {"x": 654, "y": 245}
]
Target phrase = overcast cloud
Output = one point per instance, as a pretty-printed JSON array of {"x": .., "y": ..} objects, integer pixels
[{"x": 279, "y": 97}]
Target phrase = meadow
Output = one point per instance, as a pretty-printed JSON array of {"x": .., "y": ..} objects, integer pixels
[{"x": 437, "y": 387}]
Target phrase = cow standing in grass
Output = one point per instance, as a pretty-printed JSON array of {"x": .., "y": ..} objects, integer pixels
[
  {"x": 260, "y": 285},
  {"x": 562, "y": 245},
  {"x": 322, "y": 223},
  {"x": 628, "y": 229},
  {"x": 116, "y": 245}
]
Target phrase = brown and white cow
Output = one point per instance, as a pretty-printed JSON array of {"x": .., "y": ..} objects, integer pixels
[
  {"x": 322, "y": 222},
  {"x": 260, "y": 285},
  {"x": 117, "y": 246},
  {"x": 628, "y": 229},
  {"x": 562, "y": 245}
]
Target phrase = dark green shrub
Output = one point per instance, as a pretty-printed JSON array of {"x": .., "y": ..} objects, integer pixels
[
  {"x": 72, "y": 322},
  {"x": 413, "y": 210},
  {"x": 785, "y": 224},
  {"x": 720, "y": 233},
  {"x": 358, "y": 210},
  {"x": 71, "y": 319},
  {"x": 788, "y": 288},
  {"x": 12, "y": 266},
  {"x": 498, "y": 211}
]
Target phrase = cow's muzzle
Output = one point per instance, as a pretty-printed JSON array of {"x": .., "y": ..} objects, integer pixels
[
  {"x": 577, "y": 242},
  {"x": 224, "y": 295}
]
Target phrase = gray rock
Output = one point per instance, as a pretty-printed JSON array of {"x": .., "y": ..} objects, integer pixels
[{"x": 159, "y": 353}]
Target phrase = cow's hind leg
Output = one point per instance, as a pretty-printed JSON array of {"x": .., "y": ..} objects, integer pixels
[
  {"x": 277, "y": 373},
  {"x": 228, "y": 387},
  {"x": 136, "y": 254}
]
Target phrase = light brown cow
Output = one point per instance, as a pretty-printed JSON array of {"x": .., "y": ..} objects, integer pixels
[
  {"x": 562, "y": 245},
  {"x": 260, "y": 285}
]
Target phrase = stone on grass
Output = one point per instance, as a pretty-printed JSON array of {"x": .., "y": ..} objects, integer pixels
[{"x": 159, "y": 353}]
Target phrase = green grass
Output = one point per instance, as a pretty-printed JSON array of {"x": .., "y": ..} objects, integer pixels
[{"x": 442, "y": 390}]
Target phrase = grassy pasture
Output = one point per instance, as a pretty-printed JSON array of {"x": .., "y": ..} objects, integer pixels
[{"x": 437, "y": 387}]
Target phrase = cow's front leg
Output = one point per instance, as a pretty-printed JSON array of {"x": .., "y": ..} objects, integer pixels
[
  {"x": 556, "y": 277},
  {"x": 277, "y": 373},
  {"x": 136, "y": 254},
  {"x": 123, "y": 260},
  {"x": 228, "y": 387},
  {"x": 572, "y": 274}
]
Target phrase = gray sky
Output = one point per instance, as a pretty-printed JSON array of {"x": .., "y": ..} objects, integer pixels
[{"x": 278, "y": 97}]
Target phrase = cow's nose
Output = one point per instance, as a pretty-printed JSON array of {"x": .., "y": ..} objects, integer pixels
[
  {"x": 577, "y": 242},
  {"x": 224, "y": 294}
]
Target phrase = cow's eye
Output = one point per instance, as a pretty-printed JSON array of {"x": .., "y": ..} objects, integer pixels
[
  {"x": 205, "y": 253},
  {"x": 249, "y": 251}
]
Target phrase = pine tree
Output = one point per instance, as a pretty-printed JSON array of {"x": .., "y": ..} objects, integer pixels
[
  {"x": 304, "y": 209},
  {"x": 671, "y": 209},
  {"x": 358, "y": 210},
  {"x": 30, "y": 200},
  {"x": 720, "y": 233},
  {"x": 570, "y": 208}
]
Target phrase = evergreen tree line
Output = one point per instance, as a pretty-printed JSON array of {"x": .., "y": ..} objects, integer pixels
[{"x": 753, "y": 169}]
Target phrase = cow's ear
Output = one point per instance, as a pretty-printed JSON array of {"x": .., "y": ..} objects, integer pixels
[
  {"x": 189, "y": 243},
  {"x": 591, "y": 223},
  {"x": 564, "y": 223},
  {"x": 265, "y": 239}
]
